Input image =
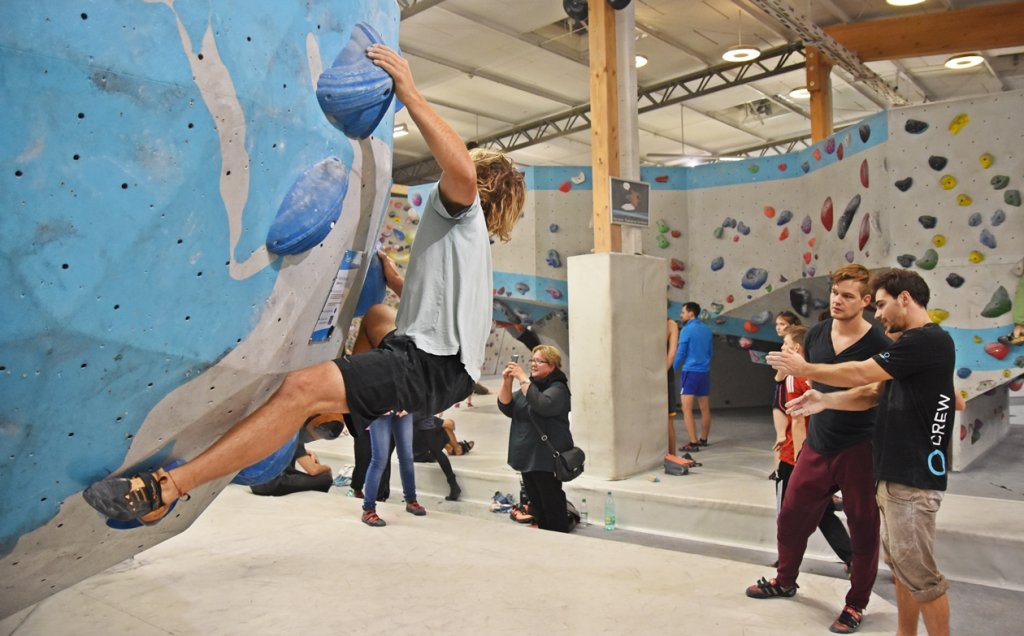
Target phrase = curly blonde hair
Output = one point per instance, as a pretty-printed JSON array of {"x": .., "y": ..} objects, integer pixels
[{"x": 502, "y": 191}]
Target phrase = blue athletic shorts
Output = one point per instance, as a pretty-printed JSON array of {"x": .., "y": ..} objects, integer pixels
[{"x": 696, "y": 383}]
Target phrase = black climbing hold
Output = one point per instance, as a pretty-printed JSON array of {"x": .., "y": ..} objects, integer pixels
[
  {"x": 904, "y": 184},
  {"x": 927, "y": 221},
  {"x": 915, "y": 127},
  {"x": 906, "y": 260},
  {"x": 936, "y": 162},
  {"x": 955, "y": 280}
]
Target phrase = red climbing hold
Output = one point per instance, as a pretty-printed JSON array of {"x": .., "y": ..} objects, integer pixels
[
  {"x": 565, "y": 187},
  {"x": 997, "y": 350},
  {"x": 784, "y": 234},
  {"x": 769, "y": 211},
  {"x": 827, "y": 214}
]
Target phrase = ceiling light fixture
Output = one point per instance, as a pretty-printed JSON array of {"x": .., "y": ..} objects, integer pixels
[
  {"x": 740, "y": 52},
  {"x": 401, "y": 130},
  {"x": 964, "y": 60},
  {"x": 641, "y": 61},
  {"x": 800, "y": 92},
  {"x": 903, "y": 3}
]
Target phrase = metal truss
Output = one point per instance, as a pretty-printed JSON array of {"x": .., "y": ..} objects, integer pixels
[{"x": 771, "y": 63}]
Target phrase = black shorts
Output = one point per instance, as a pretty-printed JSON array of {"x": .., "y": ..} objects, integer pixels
[
  {"x": 396, "y": 376},
  {"x": 673, "y": 393}
]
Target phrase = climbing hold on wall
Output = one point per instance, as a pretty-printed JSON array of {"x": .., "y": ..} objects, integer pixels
[
  {"x": 800, "y": 300},
  {"x": 522, "y": 287},
  {"x": 986, "y": 160},
  {"x": 958, "y": 123},
  {"x": 579, "y": 179},
  {"x": 675, "y": 233},
  {"x": 847, "y": 218},
  {"x": 999, "y": 181},
  {"x": 784, "y": 217},
  {"x": 827, "y": 213},
  {"x": 963, "y": 200},
  {"x": 354, "y": 93},
  {"x": 987, "y": 239},
  {"x": 784, "y": 234},
  {"x": 554, "y": 293},
  {"x": 753, "y": 168},
  {"x": 830, "y": 145},
  {"x": 865, "y": 132},
  {"x": 662, "y": 241},
  {"x": 929, "y": 260},
  {"x": 750, "y": 327},
  {"x": 977, "y": 339},
  {"x": 937, "y": 162},
  {"x": 769, "y": 211},
  {"x": 864, "y": 181},
  {"x": 817, "y": 154},
  {"x": 1012, "y": 197},
  {"x": 745, "y": 343},
  {"x": 676, "y": 281},
  {"x": 661, "y": 178},
  {"x": 716, "y": 308},
  {"x": 906, "y": 260},
  {"x": 974, "y": 220},
  {"x": 676, "y": 265},
  {"x": 915, "y": 126},
  {"x": 937, "y": 315},
  {"x": 811, "y": 242},
  {"x": 840, "y": 152},
  {"x": 849, "y": 256},
  {"x": 904, "y": 184},
  {"x": 975, "y": 257},
  {"x": 554, "y": 259},
  {"x": 997, "y": 350},
  {"x": 553, "y": 228},
  {"x": 416, "y": 199},
  {"x": 729, "y": 298},
  {"x": 997, "y": 218},
  {"x": 719, "y": 232},
  {"x": 762, "y": 317},
  {"x": 805, "y": 166},
  {"x": 963, "y": 373},
  {"x": 955, "y": 280},
  {"x": 398, "y": 234},
  {"x": 717, "y": 263},
  {"x": 998, "y": 305},
  {"x": 310, "y": 209},
  {"x": 805, "y": 225},
  {"x": 939, "y": 240},
  {"x": 736, "y": 238},
  {"x": 742, "y": 228},
  {"x": 807, "y": 258},
  {"x": 865, "y": 232},
  {"x": 948, "y": 182},
  {"x": 729, "y": 222},
  {"x": 754, "y": 278},
  {"x": 565, "y": 187},
  {"x": 662, "y": 226},
  {"x": 782, "y": 167}
]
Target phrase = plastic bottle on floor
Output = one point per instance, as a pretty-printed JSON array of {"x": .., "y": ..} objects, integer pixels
[
  {"x": 609, "y": 511},
  {"x": 584, "y": 514}
]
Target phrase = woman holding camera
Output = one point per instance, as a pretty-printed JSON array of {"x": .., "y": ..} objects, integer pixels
[{"x": 541, "y": 401}]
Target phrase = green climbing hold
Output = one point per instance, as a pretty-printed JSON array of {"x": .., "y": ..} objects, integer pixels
[
  {"x": 718, "y": 232},
  {"x": 929, "y": 260},
  {"x": 1000, "y": 181},
  {"x": 998, "y": 305},
  {"x": 1012, "y": 197},
  {"x": 662, "y": 226},
  {"x": 753, "y": 168},
  {"x": 662, "y": 241}
]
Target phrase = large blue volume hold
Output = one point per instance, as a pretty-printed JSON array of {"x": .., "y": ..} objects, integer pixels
[
  {"x": 310, "y": 209},
  {"x": 355, "y": 93},
  {"x": 269, "y": 467},
  {"x": 374, "y": 287}
]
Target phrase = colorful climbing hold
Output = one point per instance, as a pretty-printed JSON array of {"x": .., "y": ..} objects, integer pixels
[
  {"x": 826, "y": 214},
  {"x": 769, "y": 211},
  {"x": 958, "y": 123},
  {"x": 554, "y": 259},
  {"x": 676, "y": 265},
  {"x": 553, "y": 228},
  {"x": 998, "y": 305},
  {"x": 805, "y": 166},
  {"x": 963, "y": 200},
  {"x": 754, "y": 278},
  {"x": 948, "y": 182},
  {"x": 661, "y": 178},
  {"x": 554, "y": 292},
  {"x": 904, "y": 184},
  {"x": 817, "y": 154},
  {"x": 730, "y": 298},
  {"x": 784, "y": 234},
  {"x": 830, "y": 145},
  {"x": 937, "y": 315},
  {"x": 762, "y": 317},
  {"x": 865, "y": 232},
  {"x": 963, "y": 373},
  {"x": 987, "y": 239},
  {"x": 662, "y": 241},
  {"x": 975, "y": 257},
  {"x": 753, "y": 168},
  {"x": 717, "y": 263},
  {"x": 939, "y": 240},
  {"x": 955, "y": 280},
  {"x": 986, "y": 160},
  {"x": 580, "y": 178},
  {"x": 784, "y": 217},
  {"x": 522, "y": 287},
  {"x": 565, "y": 187},
  {"x": 416, "y": 199},
  {"x": 974, "y": 220},
  {"x": 782, "y": 167},
  {"x": 977, "y": 339},
  {"x": 675, "y": 233},
  {"x": 997, "y": 350},
  {"x": 929, "y": 260},
  {"x": 807, "y": 258},
  {"x": 849, "y": 256},
  {"x": 937, "y": 162},
  {"x": 676, "y": 281},
  {"x": 742, "y": 228},
  {"x": 662, "y": 226},
  {"x": 997, "y": 218},
  {"x": 999, "y": 181},
  {"x": 864, "y": 173},
  {"x": 745, "y": 343},
  {"x": 906, "y": 260},
  {"x": 719, "y": 232},
  {"x": 864, "y": 131},
  {"x": 839, "y": 152},
  {"x": 915, "y": 126},
  {"x": 805, "y": 225},
  {"x": 811, "y": 242},
  {"x": 1012, "y": 197},
  {"x": 847, "y": 218},
  {"x": 750, "y": 327}
]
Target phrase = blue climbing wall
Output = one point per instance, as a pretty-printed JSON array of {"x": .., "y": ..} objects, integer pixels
[{"x": 148, "y": 149}]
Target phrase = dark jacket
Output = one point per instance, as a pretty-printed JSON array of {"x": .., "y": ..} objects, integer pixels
[{"x": 550, "y": 410}]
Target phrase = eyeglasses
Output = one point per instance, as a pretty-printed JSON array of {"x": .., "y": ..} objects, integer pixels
[{"x": 538, "y": 361}]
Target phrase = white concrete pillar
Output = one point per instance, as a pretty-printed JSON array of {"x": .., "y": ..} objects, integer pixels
[{"x": 617, "y": 338}]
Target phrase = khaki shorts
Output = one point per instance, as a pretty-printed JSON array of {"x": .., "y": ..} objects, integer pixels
[{"x": 908, "y": 538}]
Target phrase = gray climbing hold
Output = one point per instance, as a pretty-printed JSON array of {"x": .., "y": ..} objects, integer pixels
[
  {"x": 1012, "y": 197},
  {"x": 997, "y": 218},
  {"x": 987, "y": 239},
  {"x": 784, "y": 217},
  {"x": 927, "y": 221},
  {"x": 754, "y": 278},
  {"x": 906, "y": 260},
  {"x": 717, "y": 263},
  {"x": 847, "y": 218},
  {"x": 974, "y": 220}
]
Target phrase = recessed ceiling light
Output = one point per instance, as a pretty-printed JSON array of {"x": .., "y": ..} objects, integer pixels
[
  {"x": 904, "y": 3},
  {"x": 800, "y": 92},
  {"x": 641, "y": 61},
  {"x": 964, "y": 60},
  {"x": 741, "y": 53},
  {"x": 401, "y": 130}
]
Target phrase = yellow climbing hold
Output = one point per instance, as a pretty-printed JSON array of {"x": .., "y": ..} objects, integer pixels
[
  {"x": 1006, "y": 373},
  {"x": 975, "y": 257},
  {"x": 959, "y": 122},
  {"x": 964, "y": 394},
  {"x": 978, "y": 340},
  {"x": 939, "y": 240},
  {"x": 947, "y": 182},
  {"x": 986, "y": 160},
  {"x": 963, "y": 200},
  {"x": 938, "y": 315}
]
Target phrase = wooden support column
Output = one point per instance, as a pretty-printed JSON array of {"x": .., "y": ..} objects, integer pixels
[
  {"x": 604, "y": 119},
  {"x": 819, "y": 83}
]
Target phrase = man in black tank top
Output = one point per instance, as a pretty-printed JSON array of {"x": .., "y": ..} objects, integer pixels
[{"x": 836, "y": 455}]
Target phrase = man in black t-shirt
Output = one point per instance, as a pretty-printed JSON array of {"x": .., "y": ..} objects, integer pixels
[
  {"x": 912, "y": 384},
  {"x": 836, "y": 454}
]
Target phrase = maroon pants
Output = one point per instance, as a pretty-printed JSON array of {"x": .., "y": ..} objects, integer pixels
[{"x": 814, "y": 480}]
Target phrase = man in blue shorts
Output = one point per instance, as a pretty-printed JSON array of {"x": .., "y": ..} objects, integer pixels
[
  {"x": 424, "y": 361},
  {"x": 693, "y": 359},
  {"x": 911, "y": 382}
]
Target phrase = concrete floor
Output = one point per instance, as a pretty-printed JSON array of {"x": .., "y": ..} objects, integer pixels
[{"x": 304, "y": 563}]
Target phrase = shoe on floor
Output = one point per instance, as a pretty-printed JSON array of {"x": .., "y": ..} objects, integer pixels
[
  {"x": 672, "y": 468},
  {"x": 414, "y": 508},
  {"x": 770, "y": 588},
  {"x": 702, "y": 441},
  {"x": 848, "y": 621},
  {"x": 690, "y": 448},
  {"x": 370, "y": 518}
]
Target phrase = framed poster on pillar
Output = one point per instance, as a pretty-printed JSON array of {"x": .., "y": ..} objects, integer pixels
[{"x": 630, "y": 201}]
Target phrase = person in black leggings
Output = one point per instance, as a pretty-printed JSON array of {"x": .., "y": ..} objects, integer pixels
[{"x": 427, "y": 431}]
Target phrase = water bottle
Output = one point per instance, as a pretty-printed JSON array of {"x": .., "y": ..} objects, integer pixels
[
  {"x": 609, "y": 512},
  {"x": 584, "y": 515}
]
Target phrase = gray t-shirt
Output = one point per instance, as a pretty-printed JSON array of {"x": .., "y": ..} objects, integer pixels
[{"x": 446, "y": 300}]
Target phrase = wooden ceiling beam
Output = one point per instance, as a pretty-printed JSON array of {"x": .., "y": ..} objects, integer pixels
[{"x": 992, "y": 26}]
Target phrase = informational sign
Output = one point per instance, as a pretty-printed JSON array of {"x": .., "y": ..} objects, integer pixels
[
  {"x": 341, "y": 288},
  {"x": 630, "y": 202}
]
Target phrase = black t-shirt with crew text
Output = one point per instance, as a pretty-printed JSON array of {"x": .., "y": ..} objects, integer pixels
[
  {"x": 916, "y": 411},
  {"x": 832, "y": 431}
]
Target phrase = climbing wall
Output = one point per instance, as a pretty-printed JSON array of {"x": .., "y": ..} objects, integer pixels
[
  {"x": 180, "y": 205},
  {"x": 935, "y": 188}
]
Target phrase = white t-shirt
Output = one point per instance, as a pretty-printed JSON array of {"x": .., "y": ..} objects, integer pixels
[{"x": 446, "y": 302}]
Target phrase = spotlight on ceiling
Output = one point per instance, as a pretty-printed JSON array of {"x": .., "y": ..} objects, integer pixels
[
  {"x": 641, "y": 61},
  {"x": 800, "y": 92},
  {"x": 741, "y": 53},
  {"x": 964, "y": 60},
  {"x": 904, "y": 3},
  {"x": 401, "y": 130}
]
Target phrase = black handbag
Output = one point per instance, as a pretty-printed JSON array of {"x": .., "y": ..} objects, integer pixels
[{"x": 569, "y": 463}]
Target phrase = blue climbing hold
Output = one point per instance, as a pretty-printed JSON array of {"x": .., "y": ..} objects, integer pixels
[
  {"x": 717, "y": 263},
  {"x": 310, "y": 209},
  {"x": 784, "y": 217},
  {"x": 374, "y": 287},
  {"x": 553, "y": 228},
  {"x": 754, "y": 278},
  {"x": 355, "y": 93},
  {"x": 554, "y": 259},
  {"x": 963, "y": 373},
  {"x": 269, "y": 467}
]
